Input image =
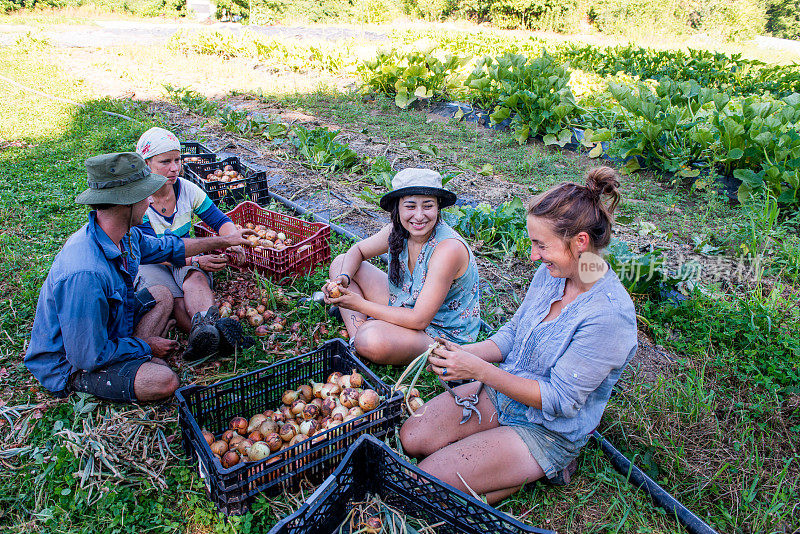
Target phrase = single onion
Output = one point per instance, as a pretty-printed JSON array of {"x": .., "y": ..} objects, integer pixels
[
  {"x": 243, "y": 446},
  {"x": 306, "y": 393},
  {"x": 255, "y": 422},
  {"x": 269, "y": 414},
  {"x": 261, "y": 309},
  {"x": 328, "y": 405},
  {"x": 219, "y": 447},
  {"x": 235, "y": 440},
  {"x": 289, "y": 396},
  {"x": 296, "y": 424},
  {"x": 276, "y": 327},
  {"x": 415, "y": 403},
  {"x": 227, "y": 435},
  {"x": 251, "y": 311},
  {"x": 356, "y": 380},
  {"x": 330, "y": 389},
  {"x": 287, "y": 432},
  {"x": 298, "y": 406},
  {"x": 349, "y": 417},
  {"x": 349, "y": 397},
  {"x": 279, "y": 418},
  {"x": 258, "y": 451},
  {"x": 317, "y": 402},
  {"x": 372, "y": 525},
  {"x": 268, "y": 427},
  {"x": 255, "y": 435},
  {"x": 369, "y": 400},
  {"x": 286, "y": 412},
  {"x": 357, "y": 411},
  {"x": 256, "y": 320},
  {"x": 334, "y": 377},
  {"x": 239, "y": 424},
  {"x": 274, "y": 441},
  {"x": 414, "y": 392},
  {"x": 344, "y": 334},
  {"x": 316, "y": 388},
  {"x": 308, "y": 427},
  {"x": 340, "y": 412},
  {"x": 311, "y": 411},
  {"x": 230, "y": 459},
  {"x": 208, "y": 436},
  {"x": 262, "y": 330}
]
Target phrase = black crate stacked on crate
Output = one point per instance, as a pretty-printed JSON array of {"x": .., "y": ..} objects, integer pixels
[
  {"x": 251, "y": 186},
  {"x": 372, "y": 468},
  {"x": 212, "y": 407},
  {"x": 194, "y": 152}
]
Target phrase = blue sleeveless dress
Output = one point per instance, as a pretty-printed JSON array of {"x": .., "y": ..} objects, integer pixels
[{"x": 459, "y": 317}]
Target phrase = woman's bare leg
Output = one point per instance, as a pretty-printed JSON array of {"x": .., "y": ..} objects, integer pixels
[
  {"x": 388, "y": 344},
  {"x": 369, "y": 282},
  {"x": 476, "y": 460},
  {"x": 436, "y": 424}
]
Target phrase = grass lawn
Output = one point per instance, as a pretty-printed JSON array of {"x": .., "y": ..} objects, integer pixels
[{"x": 709, "y": 422}]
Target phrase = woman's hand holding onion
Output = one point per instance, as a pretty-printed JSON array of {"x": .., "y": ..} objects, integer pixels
[
  {"x": 451, "y": 362},
  {"x": 346, "y": 299}
]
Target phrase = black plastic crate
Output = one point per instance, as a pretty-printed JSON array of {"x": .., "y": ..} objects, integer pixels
[
  {"x": 371, "y": 467},
  {"x": 193, "y": 147},
  {"x": 211, "y": 408},
  {"x": 252, "y": 186}
]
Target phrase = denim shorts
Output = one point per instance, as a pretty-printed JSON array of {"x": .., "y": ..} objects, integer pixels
[{"x": 551, "y": 451}]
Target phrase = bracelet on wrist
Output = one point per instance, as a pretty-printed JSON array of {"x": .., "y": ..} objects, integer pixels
[{"x": 348, "y": 278}]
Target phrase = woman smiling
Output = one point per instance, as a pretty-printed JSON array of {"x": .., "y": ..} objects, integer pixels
[
  {"x": 558, "y": 358},
  {"x": 431, "y": 289}
]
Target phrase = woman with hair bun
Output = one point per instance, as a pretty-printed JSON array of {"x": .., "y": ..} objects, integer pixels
[{"x": 558, "y": 357}]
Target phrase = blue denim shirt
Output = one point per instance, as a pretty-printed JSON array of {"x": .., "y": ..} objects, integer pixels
[
  {"x": 84, "y": 316},
  {"x": 576, "y": 357}
]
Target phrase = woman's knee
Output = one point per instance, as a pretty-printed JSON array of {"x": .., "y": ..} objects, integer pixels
[
  {"x": 413, "y": 438},
  {"x": 336, "y": 266},
  {"x": 371, "y": 343}
]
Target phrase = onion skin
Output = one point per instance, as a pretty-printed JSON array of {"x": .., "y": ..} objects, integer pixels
[
  {"x": 369, "y": 400},
  {"x": 287, "y": 432},
  {"x": 316, "y": 387},
  {"x": 310, "y": 412},
  {"x": 268, "y": 427},
  {"x": 306, "y": 393},
  {"x": 297, "y": 407},
  {"x": 256, "y": 421},
  {"x": 308, "y": 428},
  {"x": 328, "y": 405},
  {"x": 235, "y": 440},
  {"x": 227, "y": 435},
  {"x": 415, "y": 403},
  {"x": 243, "y": 446},
  {"x": 259, "y": 451},
  {"x": 230, "y": 459},
  {"x": 356, "y": 411},
  {"x": 274, "y": 442},
  {"x": 349, "y": 397},
  {"x": 239, "y": 424},
  {"x": 255, "y": 435},
  {"x": 356, "y": 380},
  {"x": 414, "y": 392},
  {"x": 219, "y": 447},
  {"x": 209, "y": 437},
  {"x": 340, "y": 412},
  {"x": 317, "y": 402},
  {"x": 289, "y": 396},
  {"x": 334, "y": 377}
]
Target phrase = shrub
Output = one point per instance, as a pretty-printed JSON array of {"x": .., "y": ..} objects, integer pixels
[
  {"x": 783, "y": 18},
  {"x": 556, "y": 15},
  {"x": 730, "y": 19}
]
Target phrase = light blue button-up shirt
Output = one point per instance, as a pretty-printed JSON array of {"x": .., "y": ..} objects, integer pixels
[
  {"x": 576, "y": 357},
  {"x": 85, "y": 313}
]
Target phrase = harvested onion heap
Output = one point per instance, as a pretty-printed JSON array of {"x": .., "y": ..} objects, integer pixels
[
  {"x": 254, "y": 310},
  {"x": 266, "y": 238},
  {"x": 305, "y": 414},
  {"x": 227, "y": 174}
]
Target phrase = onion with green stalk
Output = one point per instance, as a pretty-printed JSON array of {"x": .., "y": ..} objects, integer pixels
[{"x": 414, "y": 368}]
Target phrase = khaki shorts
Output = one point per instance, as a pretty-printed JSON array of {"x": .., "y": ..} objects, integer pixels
[{"x": 168, "y": 276}]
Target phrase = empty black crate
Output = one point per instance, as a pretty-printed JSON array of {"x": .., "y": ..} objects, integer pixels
[
  {"x": 371, "y": 467},
  {"x": 212, "y": 407},
  {"x": 252, "y": 184}
]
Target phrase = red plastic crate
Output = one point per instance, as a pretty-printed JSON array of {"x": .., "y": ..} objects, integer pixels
[{"x": 312, "y": 243}]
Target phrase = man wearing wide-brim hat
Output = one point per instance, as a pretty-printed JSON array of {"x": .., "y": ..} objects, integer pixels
[{"x": 92, "y": 333}]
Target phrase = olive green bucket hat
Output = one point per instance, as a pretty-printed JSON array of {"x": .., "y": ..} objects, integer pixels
[{"x": 121, "y": 179}]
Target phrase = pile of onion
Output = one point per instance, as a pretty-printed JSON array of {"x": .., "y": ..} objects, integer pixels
[{"x": 305, "y": 412}]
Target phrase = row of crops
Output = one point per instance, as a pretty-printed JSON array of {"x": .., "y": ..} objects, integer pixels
[{"x": 678, "y": 112}]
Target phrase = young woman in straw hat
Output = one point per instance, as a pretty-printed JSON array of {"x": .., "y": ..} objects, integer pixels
[{"x": 431, "y": 289}]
